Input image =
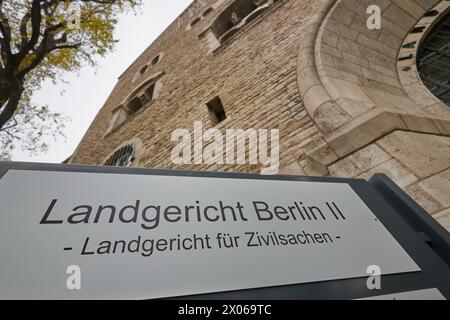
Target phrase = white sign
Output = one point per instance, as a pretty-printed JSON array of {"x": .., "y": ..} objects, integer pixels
[{"x": 141, "y": 236}]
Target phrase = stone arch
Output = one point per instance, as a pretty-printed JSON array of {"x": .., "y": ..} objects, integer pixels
[{"x": 348, "y": 79}]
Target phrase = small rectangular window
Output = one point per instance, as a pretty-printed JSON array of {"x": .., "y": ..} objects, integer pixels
[{"x": 216, "y": 110}]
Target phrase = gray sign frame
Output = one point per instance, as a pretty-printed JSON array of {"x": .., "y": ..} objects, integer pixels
[{"x": 427, "y": 242}]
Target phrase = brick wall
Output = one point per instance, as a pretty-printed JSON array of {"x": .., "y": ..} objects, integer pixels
[
  {"x": 254, "y": 75},
  {"x": 310, "y": 68}
]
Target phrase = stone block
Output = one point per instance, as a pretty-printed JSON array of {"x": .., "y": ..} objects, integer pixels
[
  {"x": 369, "y": 157},
  {"x": 353, "y": 107},
  {"x": 426, "y": 201},
  {"x": 315, "y": 97},
  {"x": 293, "y": 169},
  {"x": 344, "y": 168},
  {"x": 423, "y": 154},
  {"x": 444, "y": 218},
  {"x": 394, "y": 170},
  {"x": 438, "y": 186},
  {"x": 329, "y": 116},
  {"x": 420, "y": 124}
]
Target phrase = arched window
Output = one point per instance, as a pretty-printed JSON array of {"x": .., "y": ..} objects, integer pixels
[
  {"x": 207, "y": 12},
  {"x": 123, "y": 157},
  {"x": 143, "y": 95},
  {"x": 195, "y": 21},
  {"x": 138, "y": 99},
  {"x": 433, "y": 60},
  {"x": 238, "y": 14},
  {"x": 155, "y": 60},
  {"x": 143, "y": 69}
]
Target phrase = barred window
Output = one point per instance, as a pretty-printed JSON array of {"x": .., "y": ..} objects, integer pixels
[
  {"x": 123, "y": 157},
  {"x": 433, "y": 60}
]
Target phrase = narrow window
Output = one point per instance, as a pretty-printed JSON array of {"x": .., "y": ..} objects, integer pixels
[
  {"x": 207, "y": 11},
  {"x": 155, "y": 60},
  {"x": 144, "y": 68},
  {"x": 418, "y": 29},
  {"x": 432, "y": 13},
  {"x": 195, "y": 21},
  {"x": 216, "y": 110}
]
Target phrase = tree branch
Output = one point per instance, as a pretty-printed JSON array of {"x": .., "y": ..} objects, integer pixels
[
  {"x": 11, "y": 106},
  {"x": 5, "y": 42},
  {"x": 41, "y": 54},
  {"x": 36, "y": 20},
  {"x": 11, "y": 126}
]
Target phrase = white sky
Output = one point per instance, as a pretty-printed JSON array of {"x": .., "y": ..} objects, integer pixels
[{"x": 87, "y": 91}]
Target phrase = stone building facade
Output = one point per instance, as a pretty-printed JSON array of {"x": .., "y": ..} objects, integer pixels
[{"x": 348, "y": 100}]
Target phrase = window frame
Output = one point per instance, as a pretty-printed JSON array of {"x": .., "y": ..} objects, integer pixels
[
  {"x": 123, "y": 113},
  {"x": 429, "y": 57},
  {"x": 216, "y": 110},
  {"x": 216, "y": 42}
]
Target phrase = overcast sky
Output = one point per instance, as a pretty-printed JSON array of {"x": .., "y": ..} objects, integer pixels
[{"x": 86, "y": 92}]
